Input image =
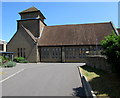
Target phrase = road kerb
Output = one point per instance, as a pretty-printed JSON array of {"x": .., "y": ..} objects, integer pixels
[{"x": 88, "y": 90}]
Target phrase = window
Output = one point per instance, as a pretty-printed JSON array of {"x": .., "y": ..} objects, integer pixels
[
  {"x": 21, "y": 52},
  {"x": 80, "y": 52},
  {"x": 45, "y": 52},
  {"x": 24, "y": 52},
  {"x": 18, "y": 53},
  {"x": 87, "y": 51},
  {"x": 44, "y": 49},
  {"x": 1, "y": 47}
]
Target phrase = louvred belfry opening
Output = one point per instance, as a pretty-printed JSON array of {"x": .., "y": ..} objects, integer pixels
[
  {"x": 32, "y": 13},
  {"x": 33, "y": 20}
]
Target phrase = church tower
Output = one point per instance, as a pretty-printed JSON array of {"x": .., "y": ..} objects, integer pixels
[{"x": 33, "y": 20}]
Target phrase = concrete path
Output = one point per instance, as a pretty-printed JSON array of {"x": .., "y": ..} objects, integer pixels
[{"x": 44, "y": 79}]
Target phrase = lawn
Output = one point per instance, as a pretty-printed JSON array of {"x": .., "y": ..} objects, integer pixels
[{"x": 102, "y": 83}]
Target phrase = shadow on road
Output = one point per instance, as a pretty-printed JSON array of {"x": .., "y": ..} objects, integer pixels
[{"x": 79, "y": 92}]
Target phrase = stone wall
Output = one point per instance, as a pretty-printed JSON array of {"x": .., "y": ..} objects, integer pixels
[{"x": 99, "y": 62}]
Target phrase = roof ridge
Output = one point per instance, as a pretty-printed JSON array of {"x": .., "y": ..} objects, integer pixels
[{"x": 79, "y": 24}]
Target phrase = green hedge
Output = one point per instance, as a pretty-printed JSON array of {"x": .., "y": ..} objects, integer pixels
[
  {"x": 24, "y": 61},
  {"x": 20, "y": 60}
]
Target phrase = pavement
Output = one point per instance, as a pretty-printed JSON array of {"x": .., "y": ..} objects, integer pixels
[{"x": 42, "y": 79}]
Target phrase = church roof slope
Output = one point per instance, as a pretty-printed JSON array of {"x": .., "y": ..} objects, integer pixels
[{"x": 78, "y": 34}]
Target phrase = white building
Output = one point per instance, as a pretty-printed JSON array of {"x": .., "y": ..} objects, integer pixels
[{"x": 2, "y": 46}]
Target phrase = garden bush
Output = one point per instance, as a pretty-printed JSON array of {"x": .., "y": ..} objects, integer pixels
[
  {"x": 1, "y": 59},
  {"x": 20, "y": 60},
  {"x": 24, "y": 61},
  {"x": 9, "y": 64},
  {"x": 111, "y": 48},
  {"x": 5, "y": 62}
]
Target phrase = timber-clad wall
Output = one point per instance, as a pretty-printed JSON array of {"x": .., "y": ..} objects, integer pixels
[
  {"x": 29, "y": 15},
  {"x": 50, "y": 54},
  {"x": 67, "y": 53},
  {"x": 32, "y": 15}
]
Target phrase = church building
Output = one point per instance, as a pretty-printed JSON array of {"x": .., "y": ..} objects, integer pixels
[{"x": 37, "y": 42}]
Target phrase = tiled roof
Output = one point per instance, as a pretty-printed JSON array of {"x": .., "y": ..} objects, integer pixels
[{"x": 77, "y": 34}]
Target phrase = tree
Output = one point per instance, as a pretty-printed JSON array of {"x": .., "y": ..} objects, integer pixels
[{"x": 111, "y": 48}]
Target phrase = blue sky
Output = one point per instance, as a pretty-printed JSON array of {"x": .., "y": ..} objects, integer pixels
[{"x": 59, "y": 13}]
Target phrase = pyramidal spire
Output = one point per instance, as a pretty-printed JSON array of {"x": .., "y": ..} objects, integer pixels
[{"x": 31, "y": 9}]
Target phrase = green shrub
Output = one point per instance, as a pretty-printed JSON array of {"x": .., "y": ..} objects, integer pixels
[
  {"x": 9, "y": 64},
  {"x": 1, "y": 59},
  {"x": 20, "y": 60},
  {"x": 111, "y": 48},
  {"x": 24, "y": 61}
]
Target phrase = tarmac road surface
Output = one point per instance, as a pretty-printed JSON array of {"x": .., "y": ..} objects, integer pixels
[{"x": 44, "y": 79}]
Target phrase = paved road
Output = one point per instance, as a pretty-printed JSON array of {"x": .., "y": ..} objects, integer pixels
[{"x": 53, "y": 79}]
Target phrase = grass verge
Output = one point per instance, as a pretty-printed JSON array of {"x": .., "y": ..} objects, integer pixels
[{"x": 103, "y": 83}]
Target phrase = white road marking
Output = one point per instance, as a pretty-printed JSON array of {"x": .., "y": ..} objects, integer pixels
[{"x": 11, "y": 75}]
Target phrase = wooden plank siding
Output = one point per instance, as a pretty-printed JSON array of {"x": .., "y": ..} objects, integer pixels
[{"x": 67, "y": 53}]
